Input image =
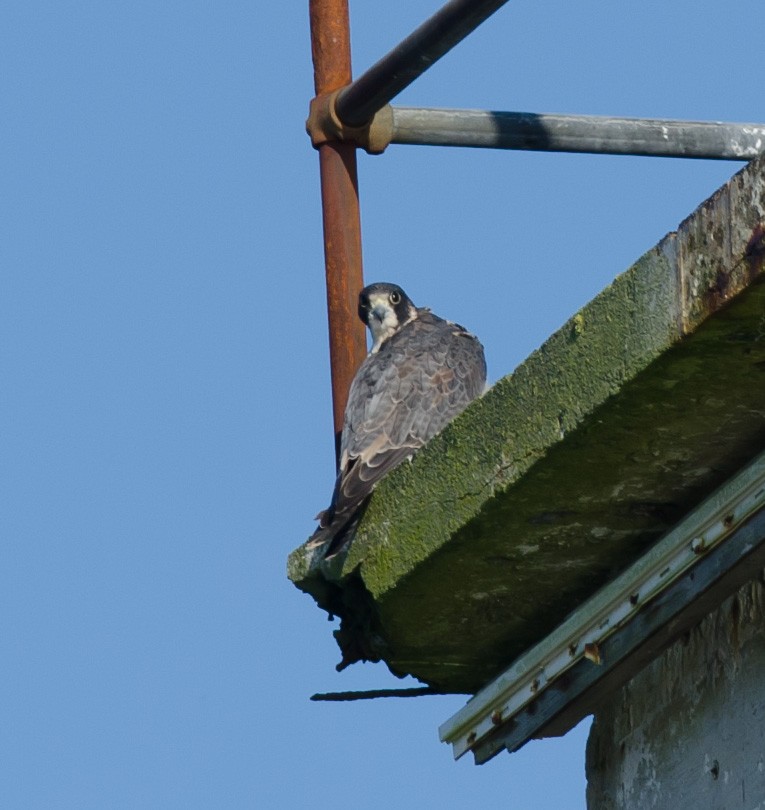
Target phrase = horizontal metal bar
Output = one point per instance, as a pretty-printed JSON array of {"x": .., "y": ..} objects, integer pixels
[
  {"x": 578, "y": 133},
  {"x": 545, "y": 682},
  {"x": 358, "y": 102},
  {"x": 373, "y": 694}
]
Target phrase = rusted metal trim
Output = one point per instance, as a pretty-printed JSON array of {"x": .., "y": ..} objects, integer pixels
[
  {"x": 331, "y": 49},
  {"x": 672, "y": 614}
]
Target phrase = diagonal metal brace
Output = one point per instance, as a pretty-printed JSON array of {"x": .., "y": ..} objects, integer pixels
[{"x": 324, "y": 125}]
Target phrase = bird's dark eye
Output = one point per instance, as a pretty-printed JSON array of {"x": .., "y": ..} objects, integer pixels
[{"x": 394, "y": 298}]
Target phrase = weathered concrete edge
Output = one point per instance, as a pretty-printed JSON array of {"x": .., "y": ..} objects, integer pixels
[
  {"x": 739, "y": 496},
  {"x": 663, "y": 297}
]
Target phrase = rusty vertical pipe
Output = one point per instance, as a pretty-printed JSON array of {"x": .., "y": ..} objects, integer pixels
[{"x": 331, "y": 49}]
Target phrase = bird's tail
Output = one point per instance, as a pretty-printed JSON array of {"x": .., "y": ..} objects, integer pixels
[{"x": 335, "y": 532}]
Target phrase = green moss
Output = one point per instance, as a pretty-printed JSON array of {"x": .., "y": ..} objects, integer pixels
[{"x": 420, "y": 506}]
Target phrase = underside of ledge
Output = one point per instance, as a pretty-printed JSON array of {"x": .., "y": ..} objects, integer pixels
[{"x": 568, "y": 469}]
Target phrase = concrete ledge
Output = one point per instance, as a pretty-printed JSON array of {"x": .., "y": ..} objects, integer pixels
[{"x": 565, "y": 471}]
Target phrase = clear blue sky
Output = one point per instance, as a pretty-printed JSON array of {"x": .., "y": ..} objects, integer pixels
[{"x": 166, "y": 419}]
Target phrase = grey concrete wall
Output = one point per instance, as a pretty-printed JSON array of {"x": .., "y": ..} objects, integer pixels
[{"x": 688, "y": 732}]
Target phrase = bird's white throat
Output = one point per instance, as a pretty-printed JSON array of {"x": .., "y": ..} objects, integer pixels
[{"x": 383, "y": 322}]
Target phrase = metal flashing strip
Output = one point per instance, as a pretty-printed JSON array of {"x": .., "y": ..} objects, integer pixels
[{"x": 598, "y": 637}]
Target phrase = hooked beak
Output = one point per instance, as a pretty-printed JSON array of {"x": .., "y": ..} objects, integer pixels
[{"x": 378, "y": 313}]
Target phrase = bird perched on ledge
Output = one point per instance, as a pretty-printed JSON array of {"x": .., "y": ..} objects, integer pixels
[{"x": 419, "y": 374}]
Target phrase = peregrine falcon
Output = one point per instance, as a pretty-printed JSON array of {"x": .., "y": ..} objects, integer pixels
[{"x": 419, "y": 374}]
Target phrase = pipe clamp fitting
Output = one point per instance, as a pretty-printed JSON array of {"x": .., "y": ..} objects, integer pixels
[{"x": 324, "y": 126}]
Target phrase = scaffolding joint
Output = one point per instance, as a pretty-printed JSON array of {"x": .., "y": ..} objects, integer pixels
[{"x": 324, "y": 125}]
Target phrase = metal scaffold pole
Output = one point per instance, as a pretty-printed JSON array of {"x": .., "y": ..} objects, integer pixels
[
  {"x": 346, "y": 115},
  {"x": 357, "y": 103},
  {"x": 713, "y": 140},
  {"x": 331, "y": 50},
  {"x": 359, "y": 112}
]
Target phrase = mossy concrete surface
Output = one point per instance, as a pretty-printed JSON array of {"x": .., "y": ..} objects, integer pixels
[{"x": 569, "y": 468}]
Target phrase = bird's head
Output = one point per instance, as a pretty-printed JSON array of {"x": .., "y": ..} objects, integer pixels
[{"x": 384, "y": 308}]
